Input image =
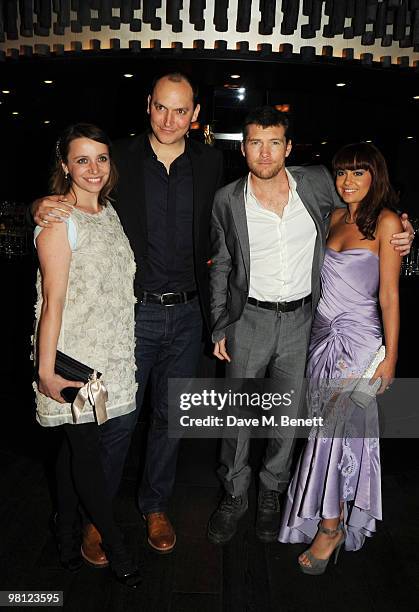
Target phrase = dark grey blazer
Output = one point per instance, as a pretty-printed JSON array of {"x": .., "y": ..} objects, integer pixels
[{"x": 230, "y": 251}]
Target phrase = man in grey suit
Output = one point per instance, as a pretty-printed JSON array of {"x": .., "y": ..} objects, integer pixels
[{"x": 268, "y": 239}]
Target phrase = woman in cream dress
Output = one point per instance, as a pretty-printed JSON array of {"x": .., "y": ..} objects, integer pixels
[{"x": 85, "y": 308}]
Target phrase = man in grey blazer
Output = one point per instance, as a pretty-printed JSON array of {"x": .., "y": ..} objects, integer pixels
[{"x": 268, "y": 233}]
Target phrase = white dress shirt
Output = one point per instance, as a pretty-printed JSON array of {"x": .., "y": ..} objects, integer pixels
[{"x": 281, "y": 248}]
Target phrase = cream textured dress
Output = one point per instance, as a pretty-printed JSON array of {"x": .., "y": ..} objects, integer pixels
[{"x": 98, "y": 318}]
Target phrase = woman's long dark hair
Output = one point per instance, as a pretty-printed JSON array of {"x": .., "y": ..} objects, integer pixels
[
  {"x": 365, "y": 156},
  {"x": 59, "y": 184}
]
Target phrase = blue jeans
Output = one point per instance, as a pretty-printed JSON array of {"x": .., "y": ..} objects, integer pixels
[{"x": 168, "y": 345}]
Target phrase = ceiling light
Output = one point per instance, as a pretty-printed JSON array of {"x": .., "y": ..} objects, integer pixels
[
  {"x": 5, "y": 91},
  {"x": 324, "y": 142},
  {"x": 416, "y": 97},
  {"x": 48, "y": 82},
  {"x": 317, "y": 155},
  {"x": 241, "y": 96},
  {"x": 241, "y": 90},
  {"x": 284, "y": 108},
  {"x": 368, "y": 141},
  {"x": 47, "y": 121},
  {"x": 340, "y": 84},
  {"x": 234, "y": 76},
  {"x": 227, "y": 136},
  {"x": 409, "y": 137},
  {"x": 128, "y": 75},
  {"x": 133, "y": 134},
  {"x": 16, "y": 113}
]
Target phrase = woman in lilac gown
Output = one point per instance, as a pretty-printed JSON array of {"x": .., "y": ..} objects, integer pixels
[{"x": 335, "y": 494}]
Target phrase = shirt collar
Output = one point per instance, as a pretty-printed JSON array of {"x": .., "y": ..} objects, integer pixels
[
  {"x": 149, "y": 152},
  {"x": 148, "y": 149},
  {"x": 291, "y": 182}
]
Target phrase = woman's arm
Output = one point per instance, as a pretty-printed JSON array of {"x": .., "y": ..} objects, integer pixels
[
  {"x": 388, "y": 224},
  {"x": 54, "y": 258}
]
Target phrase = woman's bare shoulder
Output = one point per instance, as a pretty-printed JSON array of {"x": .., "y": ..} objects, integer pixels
[{"x": 389, "y": 221}]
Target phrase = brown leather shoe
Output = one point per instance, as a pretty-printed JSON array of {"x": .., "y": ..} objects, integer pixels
[
  {"x": 161, "y": 535},
  {"x": 91, "y": 549}
]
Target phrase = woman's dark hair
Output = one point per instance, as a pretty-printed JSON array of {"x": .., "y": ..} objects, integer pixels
[
  {"x": 59, "y": 184},
  {"x": 365, "y": 156}
]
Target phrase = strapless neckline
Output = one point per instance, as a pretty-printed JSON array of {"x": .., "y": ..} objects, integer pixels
[{"x": 349, "y": 250}]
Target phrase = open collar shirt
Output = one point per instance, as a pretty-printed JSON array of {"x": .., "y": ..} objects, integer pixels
[{"x": 281, "y": 248}]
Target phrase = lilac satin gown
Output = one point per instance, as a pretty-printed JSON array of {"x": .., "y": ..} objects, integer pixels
[{"x": 346, "y": 334}]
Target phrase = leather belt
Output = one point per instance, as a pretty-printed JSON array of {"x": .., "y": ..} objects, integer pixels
[
  {"x": 166, "y": 299},
  {"x": 280, "y": 306}
]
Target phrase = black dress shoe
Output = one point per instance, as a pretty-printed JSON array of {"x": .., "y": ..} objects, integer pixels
[
  {"x": 267, "y": 520},
  {"x": 130, "y": 577},
  {"x": 72, "y": 564},
  {"x": 223, "y": 523},
  {"x": 68, "y": 538},
  {"x": 123, "y": 567}
]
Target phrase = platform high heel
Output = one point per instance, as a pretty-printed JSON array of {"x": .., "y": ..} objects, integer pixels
[{"x": 318, "y": 566}]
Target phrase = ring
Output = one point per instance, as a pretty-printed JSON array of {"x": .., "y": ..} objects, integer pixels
[{"x": 45, "y": 220}]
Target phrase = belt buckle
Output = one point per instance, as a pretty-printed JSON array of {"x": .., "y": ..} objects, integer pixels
[
  {"x": 163, "y": 297},
  {"x": 280, "y": 307}
]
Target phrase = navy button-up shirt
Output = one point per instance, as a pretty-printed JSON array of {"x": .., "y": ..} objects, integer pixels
[{"x": 169, "y": 264}]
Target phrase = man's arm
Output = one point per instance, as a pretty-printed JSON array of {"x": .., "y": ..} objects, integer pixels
[
  {"x": 402, "y": 241},
  {"x": 335, "y": 200},
  {"x": 219, "y": 271},
  {"x": 51, "y": 209}
]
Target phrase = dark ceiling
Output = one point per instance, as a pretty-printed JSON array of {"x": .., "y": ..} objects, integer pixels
[{"x": 369, "y": 19}]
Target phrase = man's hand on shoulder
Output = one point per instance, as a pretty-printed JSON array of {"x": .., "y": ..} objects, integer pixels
[
  {"x": 402, "y": 241},
  {"x": 220, "y": 350},
  {"x": 51, "y": 209}
]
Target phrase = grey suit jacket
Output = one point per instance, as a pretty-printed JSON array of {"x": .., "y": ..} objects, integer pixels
[{"x": 230, "y": 251}]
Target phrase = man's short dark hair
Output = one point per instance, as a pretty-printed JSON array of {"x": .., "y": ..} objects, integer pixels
[
  {"x": 176, "y": 77},
  {"x": 267, "y": 116}
]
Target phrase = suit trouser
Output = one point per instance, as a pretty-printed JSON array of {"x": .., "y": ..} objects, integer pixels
[
  {"x": 274, "y": 342},
  {"x": 168, "y": 345}
]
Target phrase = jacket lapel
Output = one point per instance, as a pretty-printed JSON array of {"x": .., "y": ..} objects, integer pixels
[
  {"x": 200, "y": 193},
  {"x": 238, "y": 210}
]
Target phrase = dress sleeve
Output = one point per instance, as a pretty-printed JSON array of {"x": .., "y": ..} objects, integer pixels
[{"x": 71, "y": 233}]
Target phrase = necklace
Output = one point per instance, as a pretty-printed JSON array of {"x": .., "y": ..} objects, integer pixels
[{"x": 348, "y": 222}]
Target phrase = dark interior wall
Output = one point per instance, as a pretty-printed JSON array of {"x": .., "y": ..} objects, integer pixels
[
  {"x": 375, "y": 104},
  {"x": 405, "y": 170}
]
